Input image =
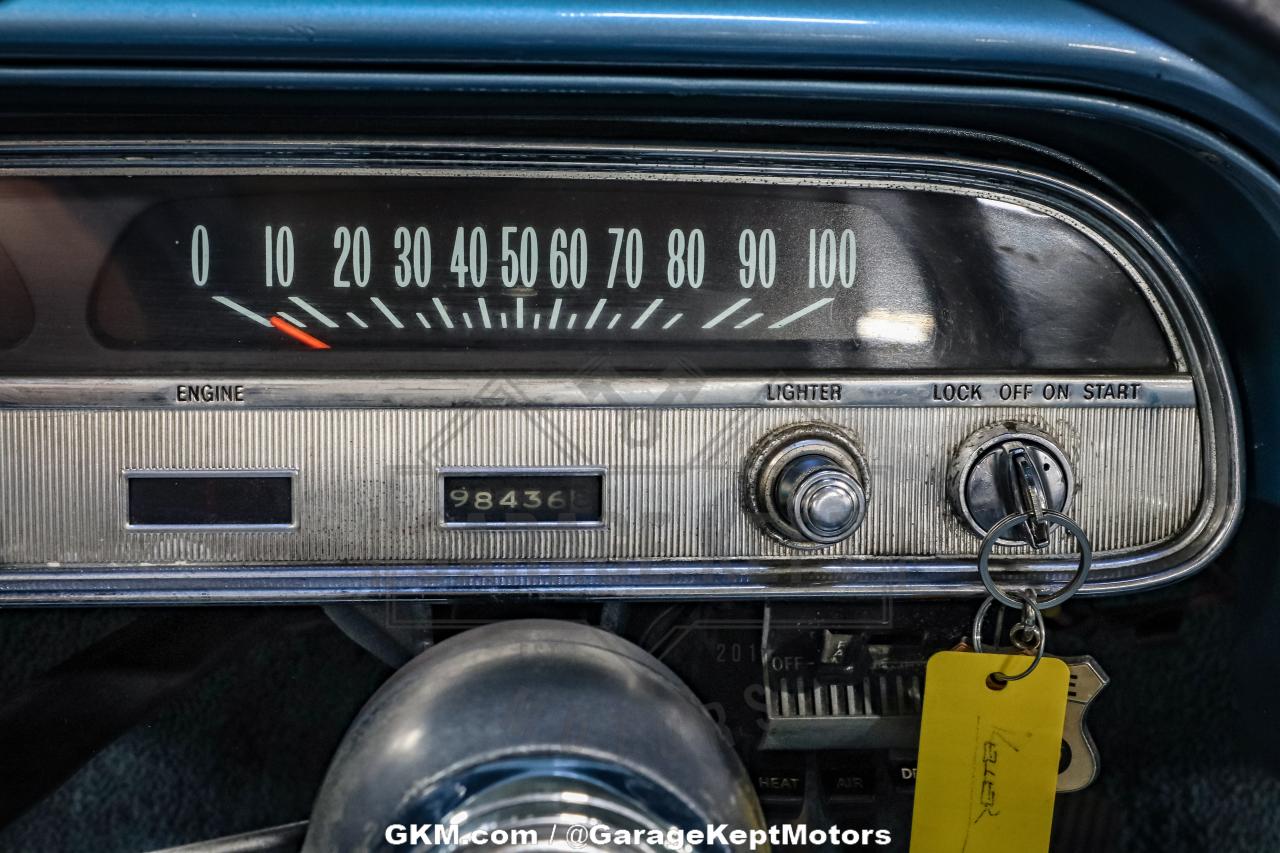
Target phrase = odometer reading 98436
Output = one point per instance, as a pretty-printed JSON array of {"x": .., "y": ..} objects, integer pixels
[
  {"x": 543, "y": 273},
  {"x": 518, "y": 498}
]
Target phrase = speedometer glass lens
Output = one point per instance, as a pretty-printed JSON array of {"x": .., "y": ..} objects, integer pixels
[
  {"x": 464, "y": 273},
  {"x": 17, "y": 316}
]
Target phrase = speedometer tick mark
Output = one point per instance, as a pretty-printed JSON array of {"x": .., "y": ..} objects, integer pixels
[
  {"x": 808, "y": 309},
  {"x": 444, "y": 315},
  {"x": 484, "y": 312},
  {"x": 613, "y": 322},
  {"x": 466, "y": 319},
  {"x": 314, "y": 312},
  {"x": 240, "y": 309},
  {"x": 595, "y": 315},
  {"x": 289, "y": 318},
  {"x": 648, "y": 312},
  {"x": 361, "y": 323},
  {"x": 422, "y": 320},
  {"x": 555, "y": 314},
  {"x": 386, "y": 312},
  {"x": 672, "y": 321},
  {"x": 748, "y": 321},
  {"x": 715, "y": 321}
]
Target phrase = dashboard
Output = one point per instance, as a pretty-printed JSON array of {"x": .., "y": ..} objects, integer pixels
[
  {"x": 562, "y": 417},
  {"x": 474, "y": 368}
]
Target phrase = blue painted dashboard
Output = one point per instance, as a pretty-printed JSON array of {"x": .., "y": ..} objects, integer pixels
[{"x": 1054, "y": 43}]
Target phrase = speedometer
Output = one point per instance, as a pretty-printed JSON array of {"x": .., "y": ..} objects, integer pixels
[{"x": 538, "y": 273}]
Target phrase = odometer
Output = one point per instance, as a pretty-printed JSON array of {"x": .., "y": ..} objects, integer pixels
[
  {"x": 496, "y": 498},
  {"x": 541, "y": 273}
]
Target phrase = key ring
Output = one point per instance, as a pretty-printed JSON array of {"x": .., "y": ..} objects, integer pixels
[
  {"x": 1006, "y": 526},
  {"x": 1027, "y": 601}
]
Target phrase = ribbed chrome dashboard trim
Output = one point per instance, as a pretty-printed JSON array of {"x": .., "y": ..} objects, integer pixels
[{"x": 587, "y": 390}]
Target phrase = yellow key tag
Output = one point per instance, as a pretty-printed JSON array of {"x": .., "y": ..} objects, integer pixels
[{"x": 988, "y": 763}]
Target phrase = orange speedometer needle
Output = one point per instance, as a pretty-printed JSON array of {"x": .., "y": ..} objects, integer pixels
[{"x": 297, "y": 334}]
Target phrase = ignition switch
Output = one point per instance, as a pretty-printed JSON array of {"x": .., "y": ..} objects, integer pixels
[{"x": 1010, "y": 469}]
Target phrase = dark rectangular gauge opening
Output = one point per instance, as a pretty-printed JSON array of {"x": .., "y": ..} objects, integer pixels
[
  {"x": 487, "y": 498},
  {"x": 210, "y": 499},
  {"x": 499, "y": 274}
]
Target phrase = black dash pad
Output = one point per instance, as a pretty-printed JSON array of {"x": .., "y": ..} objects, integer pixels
[{"x": 255, "y": 500}]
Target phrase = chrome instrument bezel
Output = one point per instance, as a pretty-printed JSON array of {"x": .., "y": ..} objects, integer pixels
[{"x": 1206, "y": 379}]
